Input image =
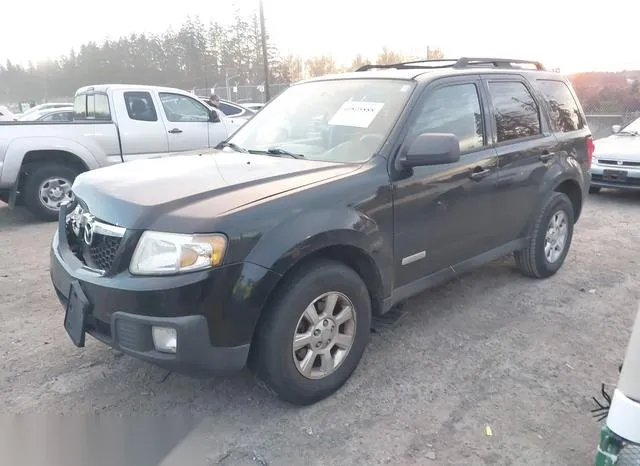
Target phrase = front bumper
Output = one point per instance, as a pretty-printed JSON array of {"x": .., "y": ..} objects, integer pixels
[
  {"x": 600, "y": 177},
  {"x": 214, "y": 312}
]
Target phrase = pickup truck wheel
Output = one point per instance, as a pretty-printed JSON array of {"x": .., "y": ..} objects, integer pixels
[
  {"x": 550, "y": 240},
  {"x": 46, "y": 188},
  {"x": 594, "y": 189},
  {"x": 314, "y": 333}
]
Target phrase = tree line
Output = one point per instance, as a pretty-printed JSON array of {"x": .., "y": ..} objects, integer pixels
[{"x": 197, "y": 55}]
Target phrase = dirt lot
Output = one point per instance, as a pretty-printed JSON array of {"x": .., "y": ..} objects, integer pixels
[{"x": 492, "y": 348}]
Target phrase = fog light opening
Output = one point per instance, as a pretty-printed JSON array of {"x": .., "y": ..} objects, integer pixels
[{"x": 165, "y": 339}]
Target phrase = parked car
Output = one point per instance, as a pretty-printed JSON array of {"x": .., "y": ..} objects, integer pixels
[
  {"x": 255, "y": 106},
  {"x": 276, "y": 249},
  {"x": 6, "y": 114},
  {"x": 39, "y": 160},
  {"x": 42, "y": 107},
  {"x": 616, "y": 160},
  {"x": 51, "y": 114},
  {"x": 234, "y": 110}
]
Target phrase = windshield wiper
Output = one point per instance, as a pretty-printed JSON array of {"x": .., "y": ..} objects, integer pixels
[
  {"x": 631, "y": 133},
  {"x": 278, "y": 151},
  {"x": 231, "y": 145}
]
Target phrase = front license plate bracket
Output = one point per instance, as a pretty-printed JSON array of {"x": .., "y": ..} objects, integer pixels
[{"x": 76, "y": 314}]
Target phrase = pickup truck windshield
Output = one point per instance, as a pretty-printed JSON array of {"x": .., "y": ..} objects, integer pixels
[{"x": 343, "y": 120}]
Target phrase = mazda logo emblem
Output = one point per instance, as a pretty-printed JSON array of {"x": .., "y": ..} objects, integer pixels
[
  {"x": 87, "y": 221},
  {"x": 620, "y": 162}
]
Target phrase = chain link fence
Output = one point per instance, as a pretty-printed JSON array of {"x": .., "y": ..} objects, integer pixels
[
  {"x": 601, "y": 119},
  {"x": 241, "y": 94}
]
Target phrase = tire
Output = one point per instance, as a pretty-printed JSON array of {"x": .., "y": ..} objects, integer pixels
[
  {"x": 532, "y": 260},
  {"x": 35, "y": 179},
  {"x": 273, "y": 357},
  {"x": 594, "y": 189}
]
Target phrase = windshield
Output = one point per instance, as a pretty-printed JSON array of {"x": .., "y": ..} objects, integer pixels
[
  {"x": 633, "y": 127},
  {"x": 343, "y": 120}
]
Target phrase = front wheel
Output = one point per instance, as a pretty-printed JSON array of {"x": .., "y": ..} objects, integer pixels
[
  {"x": 47, "y": 187},
  {"x": 550, "y": 240},
  {"x": 314, "y": 333}
]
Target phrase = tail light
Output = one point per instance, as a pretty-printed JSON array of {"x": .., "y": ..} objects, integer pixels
[{"x": 590, "y": 148}]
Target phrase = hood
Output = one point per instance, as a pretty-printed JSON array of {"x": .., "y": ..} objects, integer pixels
[
  {"x": 618, "y": 147},
  {"x": 206, "y": 184}
]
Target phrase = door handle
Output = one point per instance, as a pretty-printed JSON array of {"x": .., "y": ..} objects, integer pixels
[
  {"x": 175, "y": 131},
  {"x": 479, "y": 173},
  {"x": 546, "y": 156}
]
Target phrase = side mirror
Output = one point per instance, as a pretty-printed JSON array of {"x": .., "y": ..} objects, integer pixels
[
  {"x": 432, "y": 149},
  {"x": 213, "y": 116},
  {"x": 616, "y": 128}
]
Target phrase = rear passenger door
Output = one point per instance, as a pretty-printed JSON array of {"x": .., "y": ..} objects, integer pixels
[
  {"x": 142, "y": 132},
  {"x": 526, "y": 148}
]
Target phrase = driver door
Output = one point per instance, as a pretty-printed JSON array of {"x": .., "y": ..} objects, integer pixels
[
  {"x": 186, "y": 121},
  {"x": 444, "y": 214}
]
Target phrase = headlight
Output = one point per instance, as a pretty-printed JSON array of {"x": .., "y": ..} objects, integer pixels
[{"x": 160, "y": 253}]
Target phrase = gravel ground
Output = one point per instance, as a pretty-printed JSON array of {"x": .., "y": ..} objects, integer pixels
[{"x": 492, "y": 348}]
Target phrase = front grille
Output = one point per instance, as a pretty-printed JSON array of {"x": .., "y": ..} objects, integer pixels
[
  {"x": 95, "y": 243},
  {"x": 102, "y": 251},
  {"x": 615, "y": 162}
]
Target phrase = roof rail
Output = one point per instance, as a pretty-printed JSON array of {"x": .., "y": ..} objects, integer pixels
[{"x": 458, "y": 63}]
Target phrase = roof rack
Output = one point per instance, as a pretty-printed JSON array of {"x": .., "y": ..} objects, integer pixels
[{"x": 458, "y": 63}]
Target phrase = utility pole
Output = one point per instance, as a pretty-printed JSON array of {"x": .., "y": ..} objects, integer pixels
[{"x": 264, "y": 54}]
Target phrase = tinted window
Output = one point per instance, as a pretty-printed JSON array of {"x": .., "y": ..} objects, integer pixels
[
  {"x": 453, "y": 109},
  {"x": 140, "y": 106},
  {"x": 58, "y": 116},
  {"x": 565, "y": 114},
  {"x": 182, "y": 108},
  {"x": 229, "y": 110},
  {"x": 517, "y": 114}
]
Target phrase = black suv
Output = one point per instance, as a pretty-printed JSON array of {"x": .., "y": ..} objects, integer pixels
[{"x": 341, "y": 198}]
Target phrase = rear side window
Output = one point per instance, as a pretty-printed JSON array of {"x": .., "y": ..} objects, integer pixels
[
  {"x": 230, "y": 110},
  {"x": 140, "y": 106},
  {"x": 516, "y": 112},
  {"x": 564, "y": 112},
  {"x": 91, "y": 107}
]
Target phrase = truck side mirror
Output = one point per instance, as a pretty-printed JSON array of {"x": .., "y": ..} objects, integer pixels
[
  {"x": 615, "y": 128},
  {"x": 213, "y": 116}
]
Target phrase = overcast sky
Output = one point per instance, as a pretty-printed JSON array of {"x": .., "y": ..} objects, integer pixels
[{"x": 570, "y": 34}]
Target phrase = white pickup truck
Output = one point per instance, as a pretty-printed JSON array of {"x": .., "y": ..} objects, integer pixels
[{"x": 111, "y": 124}]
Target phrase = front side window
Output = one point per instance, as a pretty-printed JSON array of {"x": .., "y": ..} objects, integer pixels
[
  {"x": 516, "y": 112},
  {"x": 342, "y": 120},
  {"x": 140, "y": 106},
  {"x": 453, "y": 109},
  {"x": 180, "y": 108}
]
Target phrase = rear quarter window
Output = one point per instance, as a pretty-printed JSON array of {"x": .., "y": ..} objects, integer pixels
[
  {"x": 563, "y": 108},
  {"x": 91, "y": 107}
]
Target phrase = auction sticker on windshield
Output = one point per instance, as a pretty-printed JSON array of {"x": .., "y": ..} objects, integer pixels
[{"x": 358, "y": 114}]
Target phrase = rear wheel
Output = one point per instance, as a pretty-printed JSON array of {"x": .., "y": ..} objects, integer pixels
[
  {"x": 47, "y": 187},
  {"x": 314, "y": 333},
  {"x": 550, "y": 240}
]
